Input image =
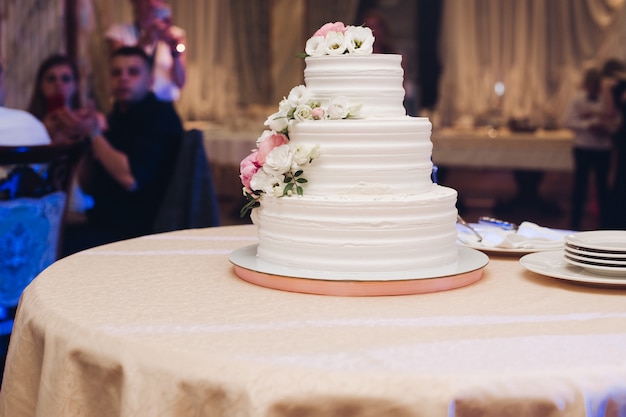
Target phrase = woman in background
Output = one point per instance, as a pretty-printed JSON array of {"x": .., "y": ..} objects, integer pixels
[{"x": 56, "y": 101}]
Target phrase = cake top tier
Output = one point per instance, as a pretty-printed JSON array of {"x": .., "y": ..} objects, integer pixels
[
  {"x": 340, "y": 62},
  {"x": 374, "y": 82}
]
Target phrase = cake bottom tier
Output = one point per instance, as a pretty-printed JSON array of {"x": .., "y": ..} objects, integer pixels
[{"x": 359, "y": 232}]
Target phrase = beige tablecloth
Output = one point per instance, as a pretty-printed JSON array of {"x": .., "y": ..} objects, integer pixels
[
  {"x": 545, "y": 150},
  {"x": 161, "y": 326}
]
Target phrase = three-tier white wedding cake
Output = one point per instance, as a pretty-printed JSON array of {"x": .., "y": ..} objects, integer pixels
[{"x": 341, "y": 181}]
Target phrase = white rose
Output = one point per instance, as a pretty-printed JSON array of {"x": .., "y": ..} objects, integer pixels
[
  {"x": 314, "y": 152},
  {"x": 355, "y": 110},
  {"x": 284, "y": 106},
  {"x": 300, "y": 157},
  {"x": 303, "y": 112},
  {"x": 265, "y": 181},
  {"x": 315, "y": 46},
  {"x": 279, "y": 190},
  {"x": 335, "y": 43},
  {"x": 277, "y": 122},
  {"x": 360, "y": 40},
  {"x": 278, "y": 160},
  {"x": 299, "y": 95},
  {"x": 338, "y": 108}
]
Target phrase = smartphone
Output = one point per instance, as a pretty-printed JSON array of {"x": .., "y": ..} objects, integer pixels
[
  {"x": 55, "y": 102},
  {"x": 163, "y": 13}
]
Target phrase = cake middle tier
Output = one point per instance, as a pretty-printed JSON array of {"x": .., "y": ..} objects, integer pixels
[{"x": 388, "y": 155}]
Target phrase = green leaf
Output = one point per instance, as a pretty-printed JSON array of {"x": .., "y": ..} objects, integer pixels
[
  {"x": 301, "y": 180},
  {"x": 249, "y": 206},
  {"x": 298, "y": 173},
  {"x": 288, "y": 188},
  {"x": 299, "y": 190}
]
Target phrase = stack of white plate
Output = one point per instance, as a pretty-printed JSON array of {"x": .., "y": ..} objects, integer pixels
[{"x": 601, "y": 252}]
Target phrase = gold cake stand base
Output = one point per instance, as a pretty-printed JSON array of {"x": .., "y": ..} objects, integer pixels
[
  {"x": 468, "y": 270},
  {"x": 358, "y": 288}
]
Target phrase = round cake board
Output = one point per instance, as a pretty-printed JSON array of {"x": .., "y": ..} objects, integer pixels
[{"x": 470, "y": 270}]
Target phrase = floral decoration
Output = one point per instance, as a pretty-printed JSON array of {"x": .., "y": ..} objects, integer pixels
[
  {"x": 337, "y": 39},
  {"x": 276, "y": 166}
]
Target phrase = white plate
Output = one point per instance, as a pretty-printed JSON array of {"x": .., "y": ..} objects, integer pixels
[
  {"x": 595, "y": 259},
  {"x": 603, "y": 255},
  {"x": 482, "y": 228},
  {"x": 602, "y": 240},
  {"x": 616, "y": 271},
  {"x": 469, "y": 260},
  {"x": 502, "y": 251},
  {"x": 553, "y": 264}
]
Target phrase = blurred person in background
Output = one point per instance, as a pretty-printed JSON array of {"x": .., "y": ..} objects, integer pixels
[
  {"x": 585, "y": 115},
  {"x": 153, "y": 31},
  {"x": 130, "y": 163},
  {"x": 614, "y": 93},
  {"x": 57, "y": 102}
]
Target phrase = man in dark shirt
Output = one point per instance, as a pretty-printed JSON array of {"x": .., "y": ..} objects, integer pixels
[{"x": 130, "y": 164}]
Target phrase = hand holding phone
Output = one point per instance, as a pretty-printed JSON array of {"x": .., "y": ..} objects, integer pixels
[{"x": 55, "y": 102}]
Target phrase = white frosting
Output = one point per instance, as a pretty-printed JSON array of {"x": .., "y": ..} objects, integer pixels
[
  {"x": 375, "y": 81},
  {"x": 392, "y": 152},
  {"x": 369, "y": 204},
  {"x": 359, "y": 233}
]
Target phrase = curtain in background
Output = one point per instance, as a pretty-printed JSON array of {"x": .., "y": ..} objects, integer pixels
[
  {"x": 537, "y": 49},
  {"x": 275, "y": 34},
  {"x": 251, "y": 41},
  {"x": 286, "y": 42},
  {"x": 31, "y": 30},
  {"x": 241, "y": 53},
  {"x": 92, "y": 57},
  {"x": 211, "y": 91},
  {"x": 320, "y": 12}
]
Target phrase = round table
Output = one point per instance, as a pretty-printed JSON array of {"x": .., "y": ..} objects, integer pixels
[{"x": 162, "y": 326}]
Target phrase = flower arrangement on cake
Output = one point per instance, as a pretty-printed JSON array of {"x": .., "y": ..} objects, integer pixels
[
  {"x": 337, "y": 39},
  {"x": 276, "y": 167}
]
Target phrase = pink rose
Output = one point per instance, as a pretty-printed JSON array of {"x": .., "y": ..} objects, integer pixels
[
  {"x": 268, "y": 144},
  {"x": 317, "y": 113},
  {"x": 330, "y": 27},
  {"x": 248, "y": 167}
]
